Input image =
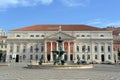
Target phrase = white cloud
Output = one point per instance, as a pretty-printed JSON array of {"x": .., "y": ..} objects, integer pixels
[
  {"x": 14, "y": 3},
  {"x": 74, "y": 3},
  {"x": 116, "y": 23},
  {"x": 103, "y": 23},
  {"x": 95, "y": 22}
]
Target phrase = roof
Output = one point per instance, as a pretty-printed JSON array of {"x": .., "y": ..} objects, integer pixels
[
  {"x": 116, "y": 32},
  {"x": 55, "y": 27},
  {"x": 3, "y": 36}
]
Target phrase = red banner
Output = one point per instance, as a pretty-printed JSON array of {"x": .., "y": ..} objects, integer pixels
[
  {"x": 71, "y": 47},
  {"x": 48, "y": 47},
  {"x": 54, "y": 45},
  {"x": 66, "y": 46}
]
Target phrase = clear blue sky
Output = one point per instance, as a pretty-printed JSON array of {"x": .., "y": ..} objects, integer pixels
[{"x": 20, "y": 13}]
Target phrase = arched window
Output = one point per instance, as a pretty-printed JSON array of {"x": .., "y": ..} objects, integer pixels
[
  {"x": 17, "y": 35},
  {"x": 101, "y": 35}
]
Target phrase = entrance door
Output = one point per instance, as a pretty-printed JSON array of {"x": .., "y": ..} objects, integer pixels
[
  {"x": 65, "y": 57},
  {"x": 102, "y": 58},
  {"x": 54, "y": 56},
  {"x": 48, "y": 57},
  {"x": 71, "y": 57},
  {"x": 17, "y": 58}
]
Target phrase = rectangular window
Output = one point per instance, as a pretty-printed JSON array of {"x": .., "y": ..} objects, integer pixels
[
  {"x": 88, "y": 49},
  {"x": 11, "y": 48},
  {"x": 88, "y": 57},
  {"x": 24, "y": 49},
  {"x": 109, "y": 57},
  {"x": 96, "y": 49},
  {"x": 31, "y": 35},
  {"x": 109, "y": 48},
  {"x": 37, "y": 36},
  {"x": 95, "y": 56},
  {"x": 18, "y": 48},
  {"x": 1, "y": 45},
  {"x": 42, "y": 48},
  {"x": 102, "y": 48},
  {"x": 83, "y": 57},
  {"x": 31, "y": 49},
  {"x": 83, "y": 48},
  {"x": 77, "y": 49},
  {"x": 36, "y": 49}
]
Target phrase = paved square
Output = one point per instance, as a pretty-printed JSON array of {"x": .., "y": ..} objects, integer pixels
[{"x": 17, "y": 71}]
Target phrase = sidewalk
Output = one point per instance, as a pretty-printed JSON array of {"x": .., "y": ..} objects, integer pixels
[{"x": 4, "y": 64}]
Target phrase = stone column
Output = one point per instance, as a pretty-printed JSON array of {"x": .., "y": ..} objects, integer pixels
[
  {"x": 57, "y": 46},
  {"x": 28, "y": 51},
  {"x": 21, "y": 52},
  {"x": 51, "y": 54},
  {"x": 56, "y": 49},
  {"x": 14, "y": 48},
  {"x": 112, "y": 53},
  {"x": 99, "y": 52},
  {"x": 75, "y": 54},
  {"x": 45, "y": 53},
  {"x": 63, "y": 50},
  {"x": 68, "y": 51},
  {"x": 8, "y": 53},
  {"x": 106, "y": 52}
]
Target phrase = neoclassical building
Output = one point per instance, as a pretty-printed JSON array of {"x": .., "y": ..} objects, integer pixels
[
  {"x": 90, "y": 43},
  {"x": 3, "y": 45}
]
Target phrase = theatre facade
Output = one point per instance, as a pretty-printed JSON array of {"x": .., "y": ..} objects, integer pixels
[{"x": 90, "y": 43}]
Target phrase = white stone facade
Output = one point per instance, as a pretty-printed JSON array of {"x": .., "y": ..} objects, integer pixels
[{"x": 91, "y": 46}]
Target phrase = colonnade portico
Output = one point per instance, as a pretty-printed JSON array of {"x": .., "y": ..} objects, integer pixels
[{"x": 49, "y": 47}]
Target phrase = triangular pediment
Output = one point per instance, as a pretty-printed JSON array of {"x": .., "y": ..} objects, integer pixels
[{"x": 64, "y": 36}]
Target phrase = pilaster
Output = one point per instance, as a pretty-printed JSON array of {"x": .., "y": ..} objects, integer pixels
[
  {"x": 51, "y": 54},
  {"x": 68, "y": 51}
]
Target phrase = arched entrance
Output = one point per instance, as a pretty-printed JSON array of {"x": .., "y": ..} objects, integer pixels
[
  {"x": 71, "y": 57},
  {"x": 65, "y": 57},
  {"x": 17, "y": 58},
  {"x": 102, "y": 58},
  {"x": 48, "y": 57},
  {"x": 54, "y": 56}
]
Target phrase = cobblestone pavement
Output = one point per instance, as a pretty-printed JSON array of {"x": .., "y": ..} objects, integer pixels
[{"x": 17, "y": 71}]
